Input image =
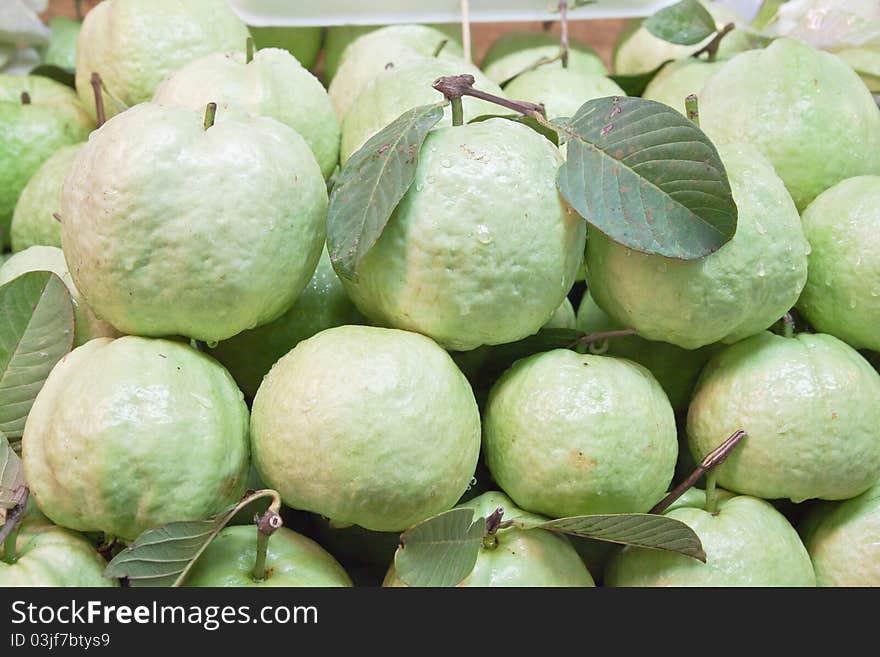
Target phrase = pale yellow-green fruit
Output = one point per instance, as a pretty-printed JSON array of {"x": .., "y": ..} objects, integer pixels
[
  {"x": 367, "y": 426},
  {"x": 132, "y": 433},
  {"x": 172, "y": 229},
  {"x": 809, "y": 408},
  {"x": 679, "y": 80},
  {"x": 747, "y": 543},
  {"x": 274, "y": 84},
  {"x": 34, "y": 222},
  {"x": 134, "y": 44},
  {"x": 737, "y": 291},
  {"x": 568, "y": 434},
  {"x": 842, "y": 294},
  {"x": 515, "y": 51},
  {"x": 304, "y": 43},
  {"x": 389, "y": 47},
  {"x": 404, "y": 87},
  {"x": 865, "y": 62},
  {"x": 481, "y": 249},
  {"x": 807, "y": 112},
  {"x": 61, "y": 51},
  {"x": 843, "y": 539},
  {"x": 561, "y": 90},
  {"x": 563, "y": 318},
  {"x": 323, "y": 304},
  {"x": 534, "y": 557},
  {"x": 50, "y": 258}
]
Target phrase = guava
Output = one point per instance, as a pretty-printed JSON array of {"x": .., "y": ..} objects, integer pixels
[
  {"x": 34, "y": 222},
  {"x": 747, "y": 543},
  {"x": 132, "y": 433},
  {"x": 367, "y": 426},
  {"x": 51, "y": 258},
  {"x": 134, "y": 44},
  {"x": 808, "y": 405},
  {"x": 404, "y": 87},
  {"x": 323, "y": 304},
  {"x": 515, "y": 51},
  {"x": 807, "y": 112},
  {"x": 304, "y": 43},
  {"x": 866, "y": 63},
  {"x": 737, "y": 291},
  {"x": 680, "y": 79},
  {"x": 830, "y": 24},
  {"x": 843, "y": 539},
  {"x": 563, "y": 317},
  {"x": 481, "y": 249},
  {"x": 291, "y": 560},
  {"x": 273, "y": 84},
  {"x": 561, "y": 90},
  {"x": 63, "y": 35},
  {"x": 842, "y": 294},
  {"x": 520, "y": 557},
  {"x": 37, "y": 117},
  {"x": 173, "y": 229},
  {"x": 568, "y": 434}
]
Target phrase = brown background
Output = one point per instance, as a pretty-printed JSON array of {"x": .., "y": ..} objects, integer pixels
[{"x": 600, "y": 34}]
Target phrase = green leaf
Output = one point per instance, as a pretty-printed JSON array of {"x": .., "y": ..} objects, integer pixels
[
  {"x": 766, "y": 13},
  {"x": 529, "y": 121},
  {"x": 36, "y": 331},
  {"x": 647, "y": 177},
  {"x": 440, "y": 551},
  {"x": 635, "y": 85},
  {"x": 65, "y": 76},
  {"x": 642, "y": 530},
  {"x": 371, "y": 184},
  {"x": 11, "y": 475},
  {"x": 685, "y": 23}
]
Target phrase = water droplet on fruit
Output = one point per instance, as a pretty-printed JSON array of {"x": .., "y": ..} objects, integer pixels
[
  {"x": 419, "y": 187},
  {"x": 760, "y": 228},
  {"x": 859, "y": 261},
  {"x": 483, "y": 235},
  {"x": 761, "y": 271},
  {"x": 661, "y": 267},
  {"x": 875, "y": 292},
  {"x": 628, "y": 252},
  {"x": 808, "y": 248},
  {"x": 445, "y": 164},
  {"x": 852, "y": 302},
  {"x": 430, "y": 180}
]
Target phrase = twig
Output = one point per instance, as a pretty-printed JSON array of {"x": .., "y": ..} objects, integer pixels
[
  {"x": 712, "y": 47},
  {"x": 604, "y": 335},
  {"x": 456, "y": 86},
  {"x": 99, "y": 99}
]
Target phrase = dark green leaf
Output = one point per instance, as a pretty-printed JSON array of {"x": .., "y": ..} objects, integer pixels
[
  {"x": 440, "y": 551},
  {"x": 371, "y": 184},
  {"x": 36, "y": 331},
  {"x": 11, "y": 475},
  {"x": 525, "y": 120},
  {"x": 685, "y": 23},
  {"x": 643, "y": 530},
  {"x": 647, "y": 177},
  {"x": 635, "y": 85},
  {"x": 65, "y": 76}
]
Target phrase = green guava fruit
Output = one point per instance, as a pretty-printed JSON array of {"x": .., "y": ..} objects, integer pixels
[
  {"x": 563, "y": 318},
  {"x": 679, "y": 80},
  {"x": 291, "y": 560},
  {"x": 367, "y": 426},
  {"x": 63, "y": 35},
  {"x": 830, "y": 24},
  {"x": 533, "y": 557},
  {"x": 515, "y": 51},
  {"x": 404, "y": 87},
  {"x": 865, "y": 62},
  {"x": 842, "y": 294},
  {"x": 273, "y": 84},
  {"x": 561, "y": 90},
  {"x": 304, "y": 43},
  {"x": 132, "y": 433},
  {"x": 481, "y": 249},
  {"x": 34, "y": 222},
  {"x": 807, "y": 112},
  {"x": 567, "y": 434},
  {"x": 172, "y": 229},
  {"x": 30, "y": 132},
  {"x": 843, "y": 539},
  {"x": 747, "y": 543},
  {"x": 6, "y": 52},
  {"x": 135, "y": 44},
  {"x": 378, "y": 51},
  {"x": 323, "y": 304},
  {"x": 737, "y": 291},
  {"x": 808, "y": 405},
  {"x": 51, "y": 258}
]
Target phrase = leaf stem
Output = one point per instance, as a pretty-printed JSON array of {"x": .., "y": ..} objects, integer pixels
[
  {"x": 692, "y": 108},
  {"x": 713, "y": 458},
  {"x": 712, "y": 47},
  {"x": 267, "y": 524},
  {"x": 604, "y": 335},
  {"x": 439, "y": 48},
  {"x": 249, "y": 50},
  {"x": 210, "y": 114},
  {"x": 25, "y": 98},
  {"x": 99, "y": 99},
  {"x": 788, "y": 325},
  {"x": 711, "y": 493},
  {"x": 457, "y": 111},
  {"x": 456, "y": 86}
]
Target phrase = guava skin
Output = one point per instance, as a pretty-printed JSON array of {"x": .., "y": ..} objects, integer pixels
[
  {"x": 171, "y": 229},
  {"x": 842, "y": 294},
  {"x": 368, "y": 426},
  {"x": 61, "y": 50},
  {"x": 808, "y": 405},
  {"x": 533, "y": 557},
  {"x": 680, "y": 79},
  {"x": 481, "y": 249},
  {"x": 808, "y": 113},
  {"x": 134, "y": 44},
  {"x": 132, "y": 433},
  {"x": 737, "y": 291},
  {"x": 514, "y": 52},
  {"x": 563, "y": 318},
  {"x": 567, "y": 434},
  {"x": 291, "y": 560},
  {"x": 304, "y": 43},
  {"x": 561, "y": 90},
  {"x": 748, "y": 543}
]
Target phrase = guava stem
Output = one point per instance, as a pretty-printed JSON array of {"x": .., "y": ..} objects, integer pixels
[
  {"x": 563, "y": 25},
  {"x": 456, "y": 86},
  {"x": 267, "y": 524},
  {"x": 9, "y": 552},
  {"x": 249, "y": 50},
  {"x": 712, "y": 47},
  {"x": 605, "y": 335},
  {"x": 25, "y": 98},
  {"x": 210, "y": 114},
  {"x": 457, "y": 111},
  {"x": 711, "y": 493},
  {"x": 788, "y": 325},
  {"x": 440, "y": 47},
  {"x": 57, "y": 217},
  {"x": 692, "y": 108},
  {"x": 713, "y": 458},
  {"x": 99, "y": 99}
]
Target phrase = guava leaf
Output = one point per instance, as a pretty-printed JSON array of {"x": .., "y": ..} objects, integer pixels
[
  {"x": 642, "y": 530},
  {"x": 65, "y": 76},
  {"x": 371, "y": 184},
  {"x": 11, "y": 475},
  {"x": 529, "y": 121},
  {"x": 36, "y": 331},
  {"x": 440, "y": 551},
  {"x": 635, "y": 85},
  {"x": 684, "y": 23},
  {"x": 647, "y": 177}
]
